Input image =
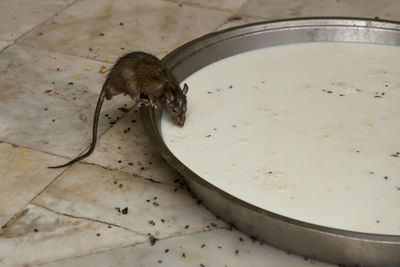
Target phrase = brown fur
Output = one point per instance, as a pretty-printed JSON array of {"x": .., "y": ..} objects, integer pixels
[{"x": 140, "y": 74}]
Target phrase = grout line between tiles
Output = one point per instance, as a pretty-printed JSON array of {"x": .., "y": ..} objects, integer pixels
[
  {"x": 132, "y": 245},
  {"x": 241, "y": 7},
  {"x": 66, "y": 54},
  {"x": 44, "y": 21},
  {"x": 135, "y": 176},
  {"x": 132, "y": 174},
  {"x": 88, "y": 254},
  {"x": 238, "y": 13},
  {"x": 189, "y": 234},
  {"x": 16, "y": 41},
  {"x": 243, "y": 17},
  {"x": 98, "y": 60},
  {"x": 57, "y": 155},
  {"x": 199, "y": 6},
  {"x": 52, "y": 181},
  {"x": 63, "y": 53},
  {"x": 31, "y": 148},
  {"x": 233, "y": 12},
  {"x": 89, "y": 163},
  {"x": 87, "y": 219},
  {"x": 18, "y": 213},
  {"x": 47, "y": 186},
  {"x": 102, "y": 134},
  {"x": 8, "y": 45}
]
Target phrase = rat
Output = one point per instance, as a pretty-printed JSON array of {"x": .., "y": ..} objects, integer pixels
[{"x": 146, "y": 80}]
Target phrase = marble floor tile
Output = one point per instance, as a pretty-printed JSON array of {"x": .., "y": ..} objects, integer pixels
[
  {"x": 22, "y": 177},
  {"x": 47, "y": 100},
  {"x": 3, "y": 44},
  {"x": 103, "y": 29},
  {"x": 278, "y": 9},
  {"x": 19, "y": 16},
  {"x": 102, "y": 212},
  {"x": 126, "y": 147},
  {"x": 216, "y": 248},
  {"x": 38, "y": 235},
  {"x": 122, "y": 199},
  {"x": 239, "y": 20},
  {"x": 230, "y": 5}
]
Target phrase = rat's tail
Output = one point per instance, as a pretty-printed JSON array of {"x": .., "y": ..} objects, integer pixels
[{"x": 94, "y": 134}]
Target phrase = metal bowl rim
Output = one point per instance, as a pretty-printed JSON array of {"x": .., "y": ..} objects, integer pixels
[{"x": 155, "y": 133}]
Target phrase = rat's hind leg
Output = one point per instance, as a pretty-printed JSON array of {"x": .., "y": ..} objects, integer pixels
[
  {"x": 147, "y": 101},
  {"x": 144, "y": 100},
  {"x": 141, "y": 100},
  {"x": 152, "y": 101}
]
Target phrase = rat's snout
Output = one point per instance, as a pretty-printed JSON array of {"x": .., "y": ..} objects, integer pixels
[{"x": 180, "y": 121}]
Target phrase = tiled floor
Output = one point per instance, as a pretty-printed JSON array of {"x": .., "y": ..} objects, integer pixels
[{"x": 51, "y": 52}]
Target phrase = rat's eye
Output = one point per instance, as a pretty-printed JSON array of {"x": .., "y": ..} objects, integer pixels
[{"x": 175, "y": 109}]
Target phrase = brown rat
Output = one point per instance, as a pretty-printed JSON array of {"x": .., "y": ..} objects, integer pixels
[{"x": 146, "y": 80}]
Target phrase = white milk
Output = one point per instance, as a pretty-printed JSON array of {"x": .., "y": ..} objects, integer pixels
[{"x": 309, "y": 131}]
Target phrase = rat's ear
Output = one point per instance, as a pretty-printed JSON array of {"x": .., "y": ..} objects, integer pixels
[
  {"x": 185, "y": 89},
  {"x": 169, "y": 97}
]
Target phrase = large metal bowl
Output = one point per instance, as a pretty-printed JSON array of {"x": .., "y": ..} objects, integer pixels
[{"x": 324, "y": 243}]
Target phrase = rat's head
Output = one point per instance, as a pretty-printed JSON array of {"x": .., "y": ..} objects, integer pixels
[{"x": 175, "y": 104}]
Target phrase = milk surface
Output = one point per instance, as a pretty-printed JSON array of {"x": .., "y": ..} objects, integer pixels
[{"x": 309, "y": 131}]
